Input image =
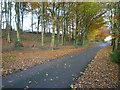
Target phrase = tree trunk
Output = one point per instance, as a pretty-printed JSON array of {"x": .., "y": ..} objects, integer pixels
[
  {"x": 38, "y": 24},
  {"x": 8, "y": 22},
  {"x": 43, "y": 26},
  {"x": 17, "y": 20},
  {"x": 75, "y": 41},
  {"x": 58, "y": 30},
  {"x": 1, "y": 21},
  {"x": 32, "y": 20},
  {"x": 72, "y": 35},
  {"x": 10, "y": 6},
  {"x": 118, "y": 43},
  {"x": 22, "y": 20},
  {"x": 63, "y": 31},
  {"x": 62, "y": 39},
  {"x": 53, "y": 33},
  {"x": 53, "y": 28}
]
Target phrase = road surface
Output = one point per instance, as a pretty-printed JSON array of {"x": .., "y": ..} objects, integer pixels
[{"x": 59, "y": 73}]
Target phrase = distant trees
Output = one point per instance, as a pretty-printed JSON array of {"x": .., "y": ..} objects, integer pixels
[
  {"x": 70, "y": 21},
  {"x": 84, "y": 16}
]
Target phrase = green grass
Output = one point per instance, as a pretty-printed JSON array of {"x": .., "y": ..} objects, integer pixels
[{"x": 115, "y": 56}]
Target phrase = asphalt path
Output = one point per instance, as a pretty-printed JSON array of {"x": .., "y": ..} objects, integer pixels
[{"x": 59, "y": 73}]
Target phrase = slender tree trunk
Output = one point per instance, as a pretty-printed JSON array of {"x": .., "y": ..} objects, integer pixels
[
  {"x": 10, "y": 12},
  {"x": 58, "y": 30},
  {"x": 69, "y": 33},
  {"x": 53, "y": 33},
  {"x": 76, "y": 30},
  {"x": 32, "y": 20},
  {"x": 43, "y": 26},
  {"x": 44, "y": 21},
  {"x": 62, "y": 39},
  {"x": 72, "y": 37},
  {"x": 5, "y": 6},
  {"x": 49, "y": 27},
  {"x": 66, "y": 28},
  {"x": 1, "y": 20},
  {"x": 22, "y": 16},
  {"x": 22, "y": 20},
  {"x": 63, "y": 31},
  {"x": 8, "y": 22},
  {"x": 84, "y": 27},
  {"x": 38, "y": 24},
  {"x": 53, "y": 28},
  {"x": 75, "y": 36},
  {"x": 17, "y": 20}
]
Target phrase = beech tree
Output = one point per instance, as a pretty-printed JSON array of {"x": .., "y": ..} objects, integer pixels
[
  {"x": 1, "y": 14},
  {"x": 52, "y": 11},
  {"x": 22, "y": 11},
  {"x": 8, "y": 20},
  {"x": 42, "y": 24},
  {"x": 115, "y": 25},
  {"x": 70, "y": 21},
  {"x": 17, "y": 10}
]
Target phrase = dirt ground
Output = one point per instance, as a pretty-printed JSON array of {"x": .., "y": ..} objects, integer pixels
[
  {"x": 17, "y": 60},
  {"x": 31, "y": 54}
]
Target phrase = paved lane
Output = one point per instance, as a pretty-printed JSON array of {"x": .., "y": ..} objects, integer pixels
[{"x": 59, "y": 73}]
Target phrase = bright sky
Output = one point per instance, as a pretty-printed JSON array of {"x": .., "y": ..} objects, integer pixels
[{"x": 26, "y": 22}]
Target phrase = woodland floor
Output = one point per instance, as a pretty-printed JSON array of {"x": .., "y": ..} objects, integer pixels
[
  {"x": 18, "y": 60},
  {"x": 100, "y": 73}
]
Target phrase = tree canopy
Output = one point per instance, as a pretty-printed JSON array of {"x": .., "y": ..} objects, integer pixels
[{"x": 71, "y": 21}]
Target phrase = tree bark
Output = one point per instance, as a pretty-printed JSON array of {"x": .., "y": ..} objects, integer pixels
[
  {"x": 58, "y": 29},
  {"x": 38, "y": 24},
  {"x": 17, "y": 20},
  {"x": 1, "y": 21},
  {"x": 8, "y": 22},
  {"x": 53, "y": 27},
  {"x": 43, "y": 26},
  {"x": 32, "y": 20}
]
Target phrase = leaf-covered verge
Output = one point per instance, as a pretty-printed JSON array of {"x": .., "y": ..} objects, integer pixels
[
  {"x": 100, "y": 73},
  {"x": 18, "y": 60}
]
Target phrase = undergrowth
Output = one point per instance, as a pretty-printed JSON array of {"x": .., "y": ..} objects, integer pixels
[{"x": 115, "y": 56}]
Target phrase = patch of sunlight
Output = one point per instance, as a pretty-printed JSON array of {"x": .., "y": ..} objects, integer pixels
[{"x": 108, "y": 38}]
